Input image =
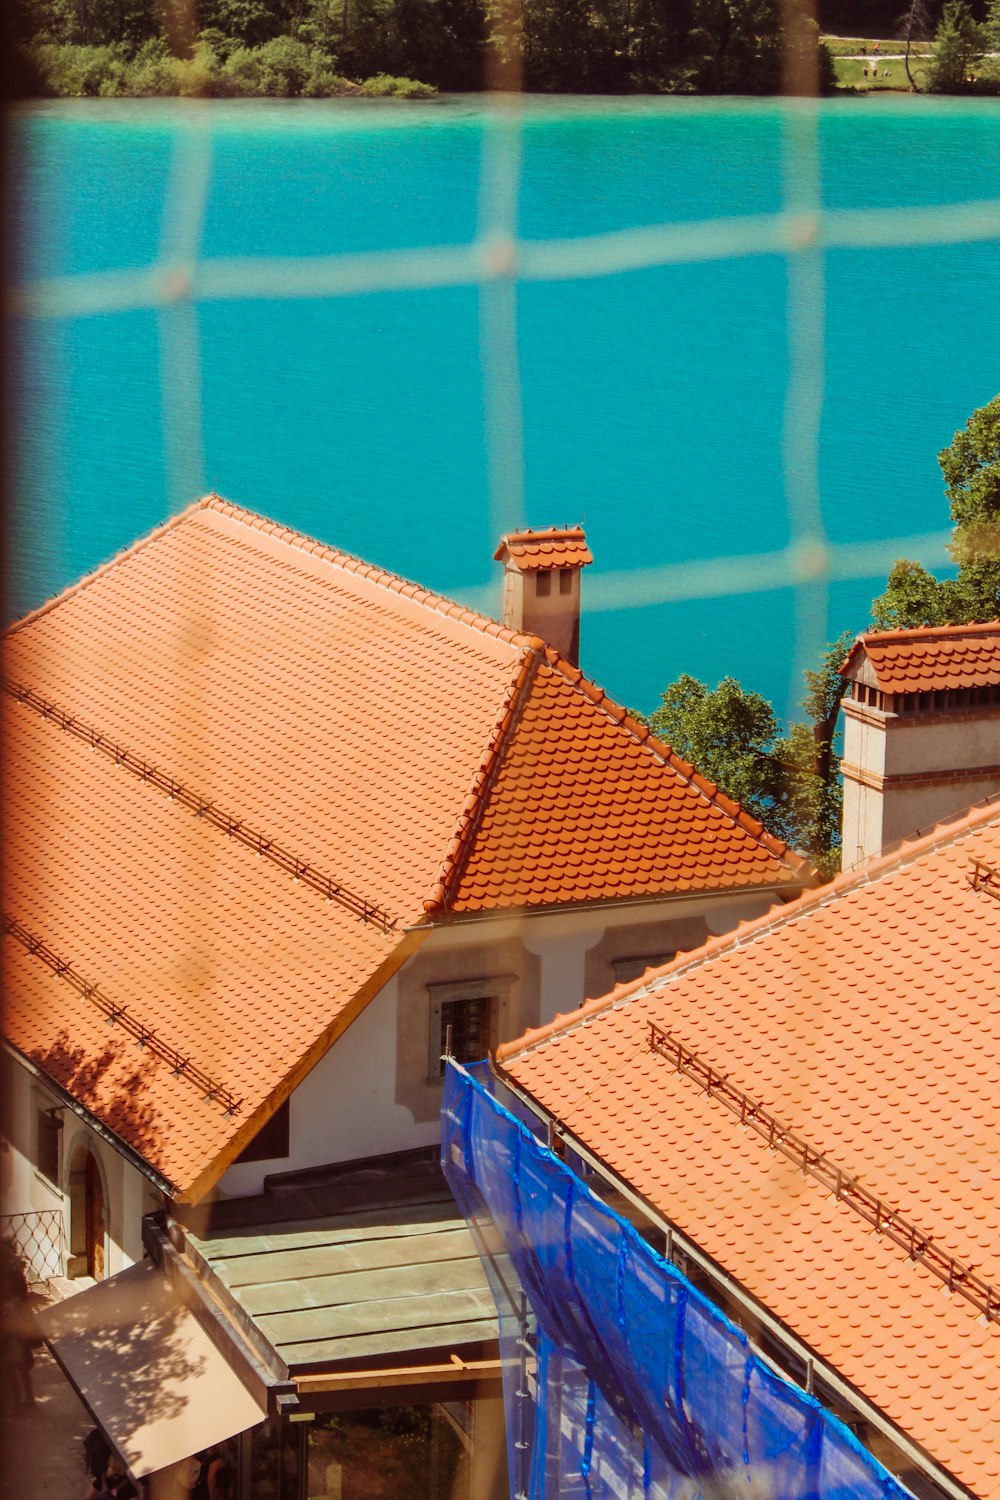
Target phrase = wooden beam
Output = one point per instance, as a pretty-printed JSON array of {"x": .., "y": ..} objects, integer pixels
[{"x": 349, "y": 1380}]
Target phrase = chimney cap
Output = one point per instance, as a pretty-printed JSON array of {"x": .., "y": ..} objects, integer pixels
[{"x": 531, "y": 551}]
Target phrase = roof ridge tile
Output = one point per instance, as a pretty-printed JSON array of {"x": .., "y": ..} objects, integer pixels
[
  {"x": 381, "y": 577},
  {"x": 448, "y": 876}
]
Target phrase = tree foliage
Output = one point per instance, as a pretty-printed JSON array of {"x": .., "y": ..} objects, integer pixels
[
  {"x": 578, "y": 46},
  {"x": 788, "y": 780},
  {"x": 959, "y": 42},
  {"x": 971, "y": 468}
]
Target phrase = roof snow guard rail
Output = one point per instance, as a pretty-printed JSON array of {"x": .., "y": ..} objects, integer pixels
[
  {"x": 984, "y": 878},
  {"x": 234, "y": 828},
  {"x": 118, "y": 1015},
  {"x": 845, "y": 1187}
]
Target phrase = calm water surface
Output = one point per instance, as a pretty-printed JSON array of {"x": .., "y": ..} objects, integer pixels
[{"x": 653, "y": 402}]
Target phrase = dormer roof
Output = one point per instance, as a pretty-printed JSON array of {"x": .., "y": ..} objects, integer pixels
[{"x": 928, "y": 658}]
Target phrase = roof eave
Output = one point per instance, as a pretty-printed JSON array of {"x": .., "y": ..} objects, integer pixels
[
  {"x": 740, "y": 1294},
  {"x": 411, "y": 940},
  {"x": 93, "y": 1121}
]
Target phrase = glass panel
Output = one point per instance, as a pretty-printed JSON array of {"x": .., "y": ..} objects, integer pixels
[
  {"x": 276, "y": 1461},
  {"x": 397, "y": 1453}
]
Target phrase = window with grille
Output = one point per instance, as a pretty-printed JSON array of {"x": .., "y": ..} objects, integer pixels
[{"x": 476, "y": 1011}]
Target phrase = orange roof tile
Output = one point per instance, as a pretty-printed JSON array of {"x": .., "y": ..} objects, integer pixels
[
  {"x": 222, "y": 955},
  {"x": 555, "y": 547},
  {"x": 584, "y": 803},
  {"x": 930, "y": 658},
  {"x": 865, "y": 1017},
  {"x": 231, "y": 743}
]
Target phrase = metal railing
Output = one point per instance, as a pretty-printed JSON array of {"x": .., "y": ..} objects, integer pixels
[{"x": 120, "y": 1015}]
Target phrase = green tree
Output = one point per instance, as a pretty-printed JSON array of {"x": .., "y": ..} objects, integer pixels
[
  {"x": 728, "y": 733},
  {"x": 735, "y": 46},
  {"x": 789, "y": 781},
  {"x": 991, "y": 37},
  {"x": 971, "y": 468},
  {"x": 959, "y": 42}
]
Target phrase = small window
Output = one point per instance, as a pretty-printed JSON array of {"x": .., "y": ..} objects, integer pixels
[
  {"x": 543, "y": 585},
  {"x": 476, "y": 1010},
  {"x": 565, "y": 580},
  {"x": 48, "y": 1128},
  {"x": 627, "y": 969},
  {"x": 271, "y": 1140}
]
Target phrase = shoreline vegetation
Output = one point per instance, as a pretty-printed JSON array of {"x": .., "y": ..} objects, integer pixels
[{"x": 412, "y": 49}]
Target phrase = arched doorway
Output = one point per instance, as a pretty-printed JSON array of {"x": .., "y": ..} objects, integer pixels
[{"x": 87, "y": 1215}]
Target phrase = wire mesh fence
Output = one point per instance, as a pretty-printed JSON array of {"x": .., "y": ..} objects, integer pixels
[
  {"x": 498, "y": 262},
  {"x": 39, "y": 1238}
]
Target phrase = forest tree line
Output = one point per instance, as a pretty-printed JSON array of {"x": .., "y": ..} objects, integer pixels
[{"x": 313, "y": 47}]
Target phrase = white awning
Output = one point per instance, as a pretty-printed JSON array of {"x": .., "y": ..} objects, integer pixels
[{"x": 147, "y": 1370}]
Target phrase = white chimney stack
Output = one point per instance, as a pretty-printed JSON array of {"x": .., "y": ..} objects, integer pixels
[{"x": 921, "y": 731}]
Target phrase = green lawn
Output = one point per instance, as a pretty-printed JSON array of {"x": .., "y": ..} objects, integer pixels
[{"x": 851, "y": 73}]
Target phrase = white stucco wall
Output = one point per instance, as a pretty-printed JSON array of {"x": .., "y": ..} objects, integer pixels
[
  {"x": 371, "y": 1095},
  {"x": 25, "y": 1190},
  {"x": 957, "y": 744},
  {"x": 877, "y": 817},
  {"x": 346, "y": 1107}
]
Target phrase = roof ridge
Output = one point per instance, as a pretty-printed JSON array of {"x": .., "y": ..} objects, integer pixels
[
  {"x": 381, "y": 577},
  {"x": 485, "y": 777},
  {"x": 944, "y": 833},
  {"x": 928, "y": 632},
  {"x": 685, "y": 769},
  {"x": 255, "y": 520},
  {"x": 539, "y": 533},
  {"x": 79, "y": 584}
]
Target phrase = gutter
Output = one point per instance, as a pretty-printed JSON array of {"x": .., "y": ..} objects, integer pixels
[
  {"x": 784, "y": 893},
  {"x": 815, "y": 1367},
  {"x": 93, "y": 1123}
]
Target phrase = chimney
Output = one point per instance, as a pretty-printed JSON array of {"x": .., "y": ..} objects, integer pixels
[
  {"x": 541, "y": 584},
  {"x": 921, "y": 731}
]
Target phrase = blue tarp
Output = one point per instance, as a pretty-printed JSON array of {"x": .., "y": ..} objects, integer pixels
[{"x": 621, "y": 1380}]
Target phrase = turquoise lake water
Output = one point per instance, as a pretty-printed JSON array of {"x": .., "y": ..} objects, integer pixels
[{"x": 653, "y": 402}]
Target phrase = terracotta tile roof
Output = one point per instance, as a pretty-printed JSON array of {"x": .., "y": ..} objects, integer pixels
[
  {"x": 865, "y": 1017},
  {"x": 930, "y": 658},
  {"x": 232, "y": 742},
  {"x": 221, "y": 954},
  {"x": 554, "y": 547},
  {"x": 583, "y": 801}
]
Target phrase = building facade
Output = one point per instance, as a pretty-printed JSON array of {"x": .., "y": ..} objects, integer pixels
[{"x": 285, "y": 830}]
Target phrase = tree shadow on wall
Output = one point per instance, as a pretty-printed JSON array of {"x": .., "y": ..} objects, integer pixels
[{"x": 113, "y": 1086}]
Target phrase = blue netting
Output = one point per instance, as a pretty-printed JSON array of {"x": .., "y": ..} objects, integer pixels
[{"x": 621, "y": 1380}]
